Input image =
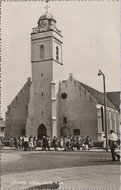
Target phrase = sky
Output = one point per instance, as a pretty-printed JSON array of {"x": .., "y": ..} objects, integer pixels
[{"x": 91, "y": 41}]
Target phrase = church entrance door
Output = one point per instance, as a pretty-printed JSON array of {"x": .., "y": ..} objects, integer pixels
[
  {"x": 42, "y": 131},
  {"x": 65, "y": 131}
]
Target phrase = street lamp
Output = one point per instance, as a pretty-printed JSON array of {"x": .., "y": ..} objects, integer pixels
[{"x": 106, "y": 135}]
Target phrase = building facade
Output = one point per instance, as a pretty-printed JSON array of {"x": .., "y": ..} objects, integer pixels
[
  {"x": 46, "y": 48},
  {"x": 17, "y": 113},
  {"x": 81, "y": 111},
  {"x": 76, "y": 110},
  {"x": 2, "y": 127}
]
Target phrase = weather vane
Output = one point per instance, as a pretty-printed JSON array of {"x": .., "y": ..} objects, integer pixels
[{"x": 46, "y": 6}]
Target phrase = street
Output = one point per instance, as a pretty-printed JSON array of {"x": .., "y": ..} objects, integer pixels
[{"x": 79, "y": 169}]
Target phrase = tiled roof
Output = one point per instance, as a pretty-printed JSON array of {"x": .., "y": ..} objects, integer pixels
[
  {"x": 99, "y": 96},
  {"x": 114, "y": 97}
]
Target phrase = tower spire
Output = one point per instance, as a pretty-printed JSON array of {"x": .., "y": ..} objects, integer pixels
[{"x": 46, "y": 6}]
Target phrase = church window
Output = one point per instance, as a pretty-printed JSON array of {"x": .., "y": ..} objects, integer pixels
[
  {"x": 109, "y": 115},
  {"x": 76, "y": 132},
  {"x": 102, "y": 114},
  {"x": 42, "y": 93},
  {"x": 65, "y": 120},
  {"x": 41, "y": 52},
  {"x": 2, "y": 129},
  {"x": 42, "y": 112},
  {"x": 66, "y": 84},
  {"x": 64, "y": 95},
  {"x": 41, "y": 74},
  {"x": 85, "y": 92},
  {"x": 57, "y": 53}
]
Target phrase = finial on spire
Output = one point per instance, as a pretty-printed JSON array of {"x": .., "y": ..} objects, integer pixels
[{"x": 46, "y": 6}]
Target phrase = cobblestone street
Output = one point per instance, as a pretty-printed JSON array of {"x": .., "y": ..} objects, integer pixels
[{"x": 93, "y": 169}]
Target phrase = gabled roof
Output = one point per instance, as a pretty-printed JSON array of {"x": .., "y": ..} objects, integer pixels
[
  {"x": 28, "y": 83},
  {"x": 99, "y": 96},
  {"x": 114, "y": 97}
]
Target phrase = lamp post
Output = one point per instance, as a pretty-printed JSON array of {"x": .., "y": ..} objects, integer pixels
[{"x": 106, "y": 135}]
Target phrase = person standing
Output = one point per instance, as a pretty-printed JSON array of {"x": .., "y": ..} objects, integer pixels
[
  {"x": 113, "y": 145},
  {"x": 48, "y": 143},
  {"x": 61, "y": 142},
  {"x": 35, "y": 142},
  {"x": 55, "y": 143},
  {"x": 87, "y": 142},
  {"x": 104, "y": 143},
  {"x": 44, "y": 143},
  {"x": 26, "y": 143},
  {"x": 31, "y": 145}
]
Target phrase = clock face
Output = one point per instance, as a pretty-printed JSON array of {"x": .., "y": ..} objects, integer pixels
[{"x": 43, "y": 23}]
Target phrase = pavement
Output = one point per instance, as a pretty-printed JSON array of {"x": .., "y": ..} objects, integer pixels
[
  {"x": 76, "y": 177},
  {"x": 91, "y": 177}
]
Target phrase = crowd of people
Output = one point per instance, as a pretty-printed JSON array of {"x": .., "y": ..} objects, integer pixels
[{"x": 69, "y": 143}]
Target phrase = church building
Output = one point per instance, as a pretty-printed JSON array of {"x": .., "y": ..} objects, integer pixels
[
  {"x": 46, "y": 48},
  {"x": 77, "y": 109},
  {"x": 81, "y": 110}
]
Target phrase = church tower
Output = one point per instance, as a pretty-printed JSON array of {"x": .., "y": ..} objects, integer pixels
[{"x": 46, "y": 51}]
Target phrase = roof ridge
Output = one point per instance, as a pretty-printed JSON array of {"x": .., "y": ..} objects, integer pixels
[
  {"x": 99, "y": 99},
  {"x": 90, "y": 87},
  {"x": 27, "y": 82}
]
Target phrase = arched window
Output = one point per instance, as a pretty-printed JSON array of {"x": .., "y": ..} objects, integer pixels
[
  {"x": 102, "y": 114},
  {"x": 65, "y": 120},
  {"x": 41, "y": 52},
  {"x": 57, "y": 53}
]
